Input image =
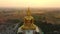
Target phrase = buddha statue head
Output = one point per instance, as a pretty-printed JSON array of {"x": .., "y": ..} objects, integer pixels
[{"x": 28, "y": 20}]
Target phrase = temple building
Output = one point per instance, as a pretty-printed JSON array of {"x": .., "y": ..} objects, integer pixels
[{"x": 28, "y": 26}]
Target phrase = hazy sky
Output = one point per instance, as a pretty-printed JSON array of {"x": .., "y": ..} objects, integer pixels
[{"x": 29, "y": 3}]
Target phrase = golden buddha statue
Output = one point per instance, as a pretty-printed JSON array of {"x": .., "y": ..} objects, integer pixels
[{"x": 28, "y": 22}]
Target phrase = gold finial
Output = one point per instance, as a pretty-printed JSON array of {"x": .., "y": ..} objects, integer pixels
[{"x": 28, "y": 12}]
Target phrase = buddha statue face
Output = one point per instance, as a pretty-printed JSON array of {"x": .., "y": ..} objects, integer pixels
[{"x": 28, "y": 22}]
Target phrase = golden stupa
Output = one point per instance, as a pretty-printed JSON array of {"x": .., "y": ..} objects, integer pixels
[{"x": 28, "y": 22}]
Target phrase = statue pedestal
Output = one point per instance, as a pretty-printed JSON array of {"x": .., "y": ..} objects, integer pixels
[{"x": 28, "y": 31}]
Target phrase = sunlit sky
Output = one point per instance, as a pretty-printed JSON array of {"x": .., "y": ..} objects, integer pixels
[{"x": 30, "y": 3}]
